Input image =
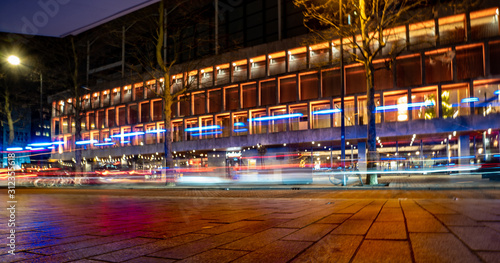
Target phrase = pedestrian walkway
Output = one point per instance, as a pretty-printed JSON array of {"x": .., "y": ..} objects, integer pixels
[{"x": 311, "y": 225}]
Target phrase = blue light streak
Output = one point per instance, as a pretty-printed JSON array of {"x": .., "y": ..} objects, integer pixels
[
  {"x": 239, "y": 124},
  {"x": 125, "y": 141},
  {"x": 393, "y": 159},
  {"x": 404, "y": 106},
  {"x": 277, "y": 117},
  {"x": 453, "y": 158},
  {"x": 107, "y": 139},
  {"x": 328, "y": 111},
  {"x": 202, "y": 128},
  {"x": 206, "y": 133},
  {"x": 241, "y": 130},
  {"x": 156, "y": 131},
  {"x": 496, "y": 155},
  {"x": 122, "y": 135},
  {"x": 104, "y": 144},
  {"x": 471, "y": 99},
  {"x": 58, "y": 142},
  {"x": 14, "y": 149},
  {"x": 497, "y": 92},
  {"x": 40, "y": 144},
  {"x": 85, "y": 142}
]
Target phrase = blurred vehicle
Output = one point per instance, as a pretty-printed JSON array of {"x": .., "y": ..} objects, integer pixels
[{"x": 490, "y": 170}]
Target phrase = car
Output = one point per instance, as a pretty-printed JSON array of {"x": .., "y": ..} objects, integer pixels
[{"x": 490, "y": 170}]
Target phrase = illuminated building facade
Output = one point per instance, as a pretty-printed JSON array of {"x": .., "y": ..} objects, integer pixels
[{"x": 439, "y": 102}]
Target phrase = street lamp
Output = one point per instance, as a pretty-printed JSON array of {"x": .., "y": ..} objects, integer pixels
[{"x": 14, "y": 60}]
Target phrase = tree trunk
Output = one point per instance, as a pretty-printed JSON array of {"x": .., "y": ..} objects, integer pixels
[
  {"x": 371, "y": 128},
  {"x": 8, "y": 113},
  {"x": 167, "y": 136}
]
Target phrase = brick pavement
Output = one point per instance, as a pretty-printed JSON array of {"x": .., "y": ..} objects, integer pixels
[{"x": 79, "y": 225}]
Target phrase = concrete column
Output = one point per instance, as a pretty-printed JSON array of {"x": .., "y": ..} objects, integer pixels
[
  {"x": 463, "y": 149},
  {"x": 362, "y": 156}
]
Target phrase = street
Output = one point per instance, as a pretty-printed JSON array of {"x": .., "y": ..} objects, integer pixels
[{"x": 306, "y": 225}]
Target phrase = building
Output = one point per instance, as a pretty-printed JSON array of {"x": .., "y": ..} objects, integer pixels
[
  {"x": 22, "y": 137},
  {"x": 279, "y": 101}
]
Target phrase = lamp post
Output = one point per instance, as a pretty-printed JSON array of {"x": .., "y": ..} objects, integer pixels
[{"x": 14, "y": 60}]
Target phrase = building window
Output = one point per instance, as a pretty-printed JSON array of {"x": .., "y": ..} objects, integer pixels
[
  {"x": 297, "y": 59},
  {"x": 451, "y": 29},
  {"x": 288, "y": 90},
  {"x": 484, "y": 23},
  {"x": 400, "y": 101},
  {"x": 424, "y": 103},
  {"x": 157, "y": 110},
  {"x": 249, "y": 95},
  {"x": 240, "y": 124},
  {"x": 92, "y": 120},
  {"x": 127, "y": 93},
  {"x": 222, "y": 74},
  {"x": 488, "y": 101},
  {"x": 101, "y": 119},
  {"x": 151, "y": 136},
  {"x": 321, "y": 120},
  {"x": 177, "y": 82},
  {"x": 451, "y": 99},
  {"x": 278, "y": 125},
  {"x": 209, "y": 121},
  {"x": 177, "y": 131},
  {"x": 137, "y": 139},
  {"x": 349, "y": 112},
  {"x": 199, "y": 103},
  {"x": 408, "y": 71},
  {"x": 422, "y": 35},
  {"x": 224, "y": 121},
  {"x": 355, "y": 80},
  {"x": 95, "y": 100},
  {"x": 214, "y": 101},
  {"x": 258, "y": 127},
  {"x": 258, "y": 67},
  {"x": 194, "y": 134},
  {"x": 277, "y": 63},
  {"x": 363, "y": 110},
  {"x": 299, "y": 123},
  {"x": 133, "y": 114},
  {"x": 151, "y": 89},
  {"x": 470, "y": 62},
  {"x": 232, "y": 98},
  {"x": 122, "y": 116},
  {"x": 438, "y": 65},
  {"x": 111, "y": 118},
  {"x": 192, "y": 80},
  {"x": 396, "y": 40},
  {"x": 383, "y": 77},
  {"x": 138, "y": 92},
  {"x": 495, "y": 56},
  {"x": 145, "y": 112},
  {"x": 268, "y": 93},
  {"x": 105, "y": 98},
  {"x": 309, "y": 86},
  {"x": 240, "y": 70},
  {"x": 184, "y": 106},
  {"x": 330, "y": 83},
  {"x": 206, "y": 77},
  {"x": 115, "y": 96},
  {"x": 319, "y": 55}
]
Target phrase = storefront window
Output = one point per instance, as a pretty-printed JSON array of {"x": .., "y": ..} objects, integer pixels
[
  {"x": 451, "y": 97},
  {"x": 224, "y": 121},
  {"x": 177, "y": 131},
  {"x": 278, "y": 125},
  {"x": 321, "y": 120},
  {"x": 489, "y": 99},
  {"x": 209, "y": 121},
  {"x": 300, "y": 123},
  {"x": 424, "y": 103},
  {"x": 349, "y": 112},
  {"x": 240, "y": 124},
  {"x": 396, "y": 107},
  {"x": 258, "y": 127},
  {"x": 151, "y": 136},
  {"x": 363, "y": 111},
  {"x": 194, "y": 134}
]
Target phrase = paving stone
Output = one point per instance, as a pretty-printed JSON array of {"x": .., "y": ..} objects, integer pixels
[
  {"x": 353, "y": 227},
  {"x": 18, "y": 256},
  {"x": 260, "y": 226},
  {"x": 387, "y": 230},
  {"x": 383, "y": 251},
  {"x": 489, "y": 257},
  {"x": 478, "y": 238},
  {"x": 313, "y": 232},
  {"x": 227, "y": 227},
  {"x": 259, "y": 240},
  {"x": 440, "y": 247},
  {"x": 392, "y": 203},
  {"x": 390, "y": 214},
  {"x": 215, "y": 256},
  {"x": 150, "y": 260},
  {"x": 493, "y": 225},
  {"x": 304, "y": 220},
  {"x": 278, "y": 251},
  {"x": 332, "y": 248},
  {"x": 456, "y": 220},
  {"x": 335, "y": 219}
]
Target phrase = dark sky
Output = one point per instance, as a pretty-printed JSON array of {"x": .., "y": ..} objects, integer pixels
[{"x": 61, "y": 17}]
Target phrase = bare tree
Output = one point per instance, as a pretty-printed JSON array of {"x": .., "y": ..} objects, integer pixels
[{"x": 364, "y": 24}]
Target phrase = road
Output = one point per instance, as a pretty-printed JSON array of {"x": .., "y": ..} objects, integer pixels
[{"x": 307, "y": 225}]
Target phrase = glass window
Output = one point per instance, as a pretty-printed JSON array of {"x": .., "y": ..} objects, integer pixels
[
  {"x": 232, "y": 98},
  {"x": 111, "y": 118},
  {"x": 249, "y": 95},
  {"x": 92, "y": 120},
  {"x": 192, "y": 80},
  {"x": 278, "y": 125},
  {"x": 125, "y": 141},
  {"x": 215, "y": 101},
  {"x": 422, "y": 35},
  {"x": 209, "y": 121},
  {"x": 199, "y": 103},
  {"x": 383, "y": 77},
  {"x": 299, "y": 123},
  {"x": 122, "y": 116},
  {"x": 127, "y": 93},
  {"x": 288, "y": 90},
  {"x": 240, "y": 124},
  {"x": 65, "y": 125},
  {"x": 408, "y": 71},
  {"x": 489, "y": 102},
  {"x": 349, "y": 112},
  {"x": 101, "y": 117},
  {"x": 330, "y": 83},
  {"x": 309, "y": 86},
  {"x": 222, "y": 74},
  {"x": 145, "y": 114},
  {"x": 484, "y": 23},
  {"x": 277, "y": 63},
  {"x": 138, "y": 92},
  {"x": 363, "y": 110},
  {"x": 115, "y": 96},
  {"x": 240, "y": 70},
  {"x": 133, "y": 114},
  {"x": 184, "y": 106},
  {"x": 137, "y": 139},
  {"x": 355, "y": 80},
  {"x": 451, "y": 99},
  {"x": 321, "y": 120},
  {"x": 192, "y": 135},
  {"x": 151, "y": 89},
  {"x": 177, "y": 82},
  {"x": 495, "y": 56},
  {"x": 319, "y": 55},
  {"x": 105, "y": 98},
  {"x": 438, "y": 65},
  {"x": 161, "y": 136},
  {"x": 297, "y": 59},
  {"x": 207, "y": 76},
  {"x": 224, "y": 121},
  {"x": 395, "y": 40},
  {"x": 470, "y": 62},
  {"x": 452, "y": 29},
  {"x": 157, "y": 110},
  {"x": 95, "y": 100},
  {"x": 400, "y": 113},
  {"x": 258, "y": 127},
  {"x": 177, "y": 131},
  {"x": 151, "y": 137},
  {"x": 268, "y": 93},
  {"x": 427, "y": 104},
  {"x": 258, "y": 67}
]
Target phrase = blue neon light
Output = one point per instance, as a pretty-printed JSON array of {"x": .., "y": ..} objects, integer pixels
[
  {"x": 206, "y": 133},
  {"x": 14, "y": 149},
  {"x": 85, "y": 142},
  {"x": 393, "y": 159},
  {"x": 497, "y": 92},
  {"x": 41, "y": 144},
  {"x": 453, "y": 158},
  {"x": 277, "y": 117},
  {"x": 38, "y": 149},
  {"x": 107, "y": 139},
  {"x": 471, "y": 99},
  {"x": 125, "y": 141},
  {"x": 496, "y": 155},
  {"x": 122, "y": 135},
  {"x": 404, "y": 106},
  {"x": 58, "y": 142},
  {"x": 241, "y": 130},
  {"x": 156, "y": 131},
  {"x": 328, "y": 111},
  {"x": 104, "y": 144},
  {"x": 239, "y": 124},
  {"x": 202, "y": 128},
  {"x": 51, "y": 147}
]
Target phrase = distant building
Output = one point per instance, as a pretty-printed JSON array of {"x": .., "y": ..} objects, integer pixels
[{"x": 22, "y": 137}]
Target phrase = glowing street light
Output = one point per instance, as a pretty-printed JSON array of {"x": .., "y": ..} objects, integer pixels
[{"x": 14, "y": 60}]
